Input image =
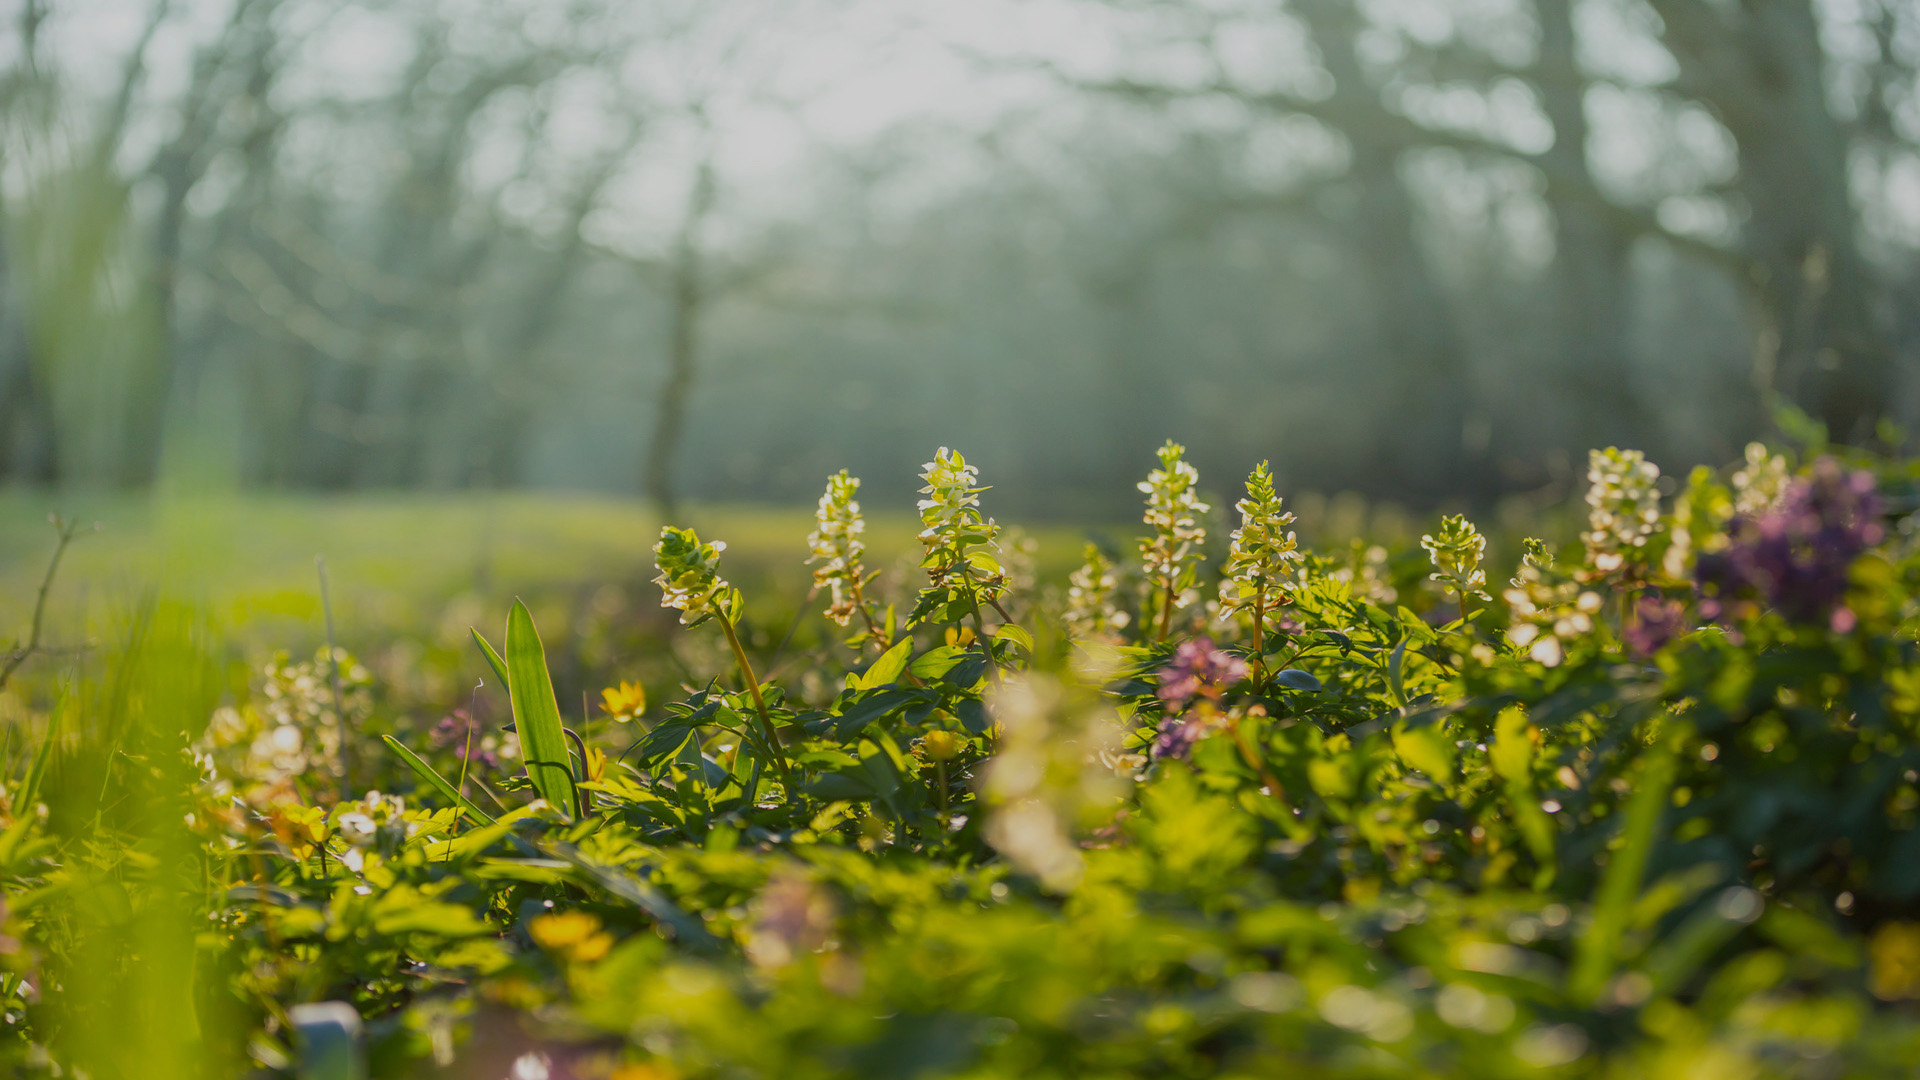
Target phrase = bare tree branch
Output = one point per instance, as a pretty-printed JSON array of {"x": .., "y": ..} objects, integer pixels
[{"x": 68, "y": 531}]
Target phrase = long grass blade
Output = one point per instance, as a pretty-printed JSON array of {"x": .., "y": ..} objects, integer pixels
[
  {"x": 434, "y": 780},
  {"x": 30, "y": 785},
  {"x": 1597, "y": 953},
  {"x": 493, "y": 658},
  {"x": 536, "y": 713}
]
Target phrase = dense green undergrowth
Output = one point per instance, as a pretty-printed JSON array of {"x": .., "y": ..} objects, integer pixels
[{"x": 1220, "y": 805}]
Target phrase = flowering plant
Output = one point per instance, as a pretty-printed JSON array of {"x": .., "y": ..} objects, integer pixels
[
  {"x": 1262, "y": 559},
  {"x": 1171, "y": 555}
]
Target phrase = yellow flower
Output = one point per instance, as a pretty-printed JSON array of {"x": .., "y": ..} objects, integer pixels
[
  {"x": 625, "y": 701},
  {"x": 1895, "y": 971},
  {"x": 301, "y": 828},
  {"x": 960, "y": 635},
  {"x": 940, "y": 745},
  {"x": 575, "y": 935},
  {"x": 514, "y": 991}
]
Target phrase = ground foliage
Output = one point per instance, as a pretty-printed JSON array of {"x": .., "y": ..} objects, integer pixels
[{"x": 1221, "y": 806}]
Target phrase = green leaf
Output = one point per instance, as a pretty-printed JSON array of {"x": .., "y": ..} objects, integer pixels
[
  {"x": 847, "y": 785},
  {"x": 1294, "y": 679},
  {"x": 404, "y": 912},
  {"x": 1396, "y": 664},
  {"x": 493, "y": 658},
  {"x": 1425, "y": 749},
  {"x": 665, "y": 740},
  {"x": 1511, "y": 755},
  {"x": 23, "y": 799},
  {"x": 972, "y": 714},
  {"x": 937, "y": 661},
  {"x": 1335, "y": 777},
  {"x": 1015, "y": 634},
  {"x": 1512, "y": 751},
  {"x": 857, "y": 716},
  {"x": 686, "y": 929},
  {"x": 439, "y": 783},
  {"x": 1687, "y": 950},
  {"x": 1598, "y": 950},
  {"x": 887, "y": 669},
  {"x": 543, "y": 741}
]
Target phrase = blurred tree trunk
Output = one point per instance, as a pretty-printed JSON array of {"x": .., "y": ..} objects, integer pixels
[
  {"x": 1762, "y": 70},
  {"x": 687, "y": 298},
  {"x": 1135, "y": 407},
  {"x": 146, "y": 414},
  {"x": 177, "y": 167},
  {"x": 1590, "y": 255},
  {"x": 538, "y": 313},
  {"x": 1817, "y": 286},
  {"x": 28, "y": 449},
  {"x": 1431, "y": 389},
  {"x": 411, "y": 358}
]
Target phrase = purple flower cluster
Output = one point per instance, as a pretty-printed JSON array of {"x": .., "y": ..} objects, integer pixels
[
  {"x": 1656, "y": 620},
  {"x": 1177, "y": 734},
  {"x": 1199, "y": 669},
  {"x": 458, "y": 732},
  {"x": 1794, "y": 558}
]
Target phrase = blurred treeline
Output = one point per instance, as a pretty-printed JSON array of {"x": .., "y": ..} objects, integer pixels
[{"x": 1427, "y": 249}]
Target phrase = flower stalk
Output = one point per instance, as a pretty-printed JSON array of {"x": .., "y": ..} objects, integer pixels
[
  {"x": 1262, "y": 558},
  {"x": 1172, "y": 554},
  {"x": 690, "y": 581}
]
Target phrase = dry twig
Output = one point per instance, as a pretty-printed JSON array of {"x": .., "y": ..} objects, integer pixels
[{"x": 69, "y": 531}]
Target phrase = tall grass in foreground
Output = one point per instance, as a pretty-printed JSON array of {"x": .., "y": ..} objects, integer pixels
[{"x": 126, "y": 976}]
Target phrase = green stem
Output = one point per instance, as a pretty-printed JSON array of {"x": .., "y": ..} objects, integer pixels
[
  {"x": 1259, "y": 630},
  {"x": 579, "y": 796},
  {"x": 979, "y": 622},
  {"x": 1166, "y": 611},
  {"x": 980, "y": 631},
  {"x": 873, "y": 628},
  {"x": 759, "y": 703},
  {"x": 1254, "y": 760}
]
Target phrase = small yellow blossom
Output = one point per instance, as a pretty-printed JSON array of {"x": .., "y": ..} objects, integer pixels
[
  {"x": 1894, "y": 973},
  {"x": 301, "y": 828},
  {"x": 575, "y": 935},
  {"x": 940, "y": 745},
  {"x": 624, "y": 702}
]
